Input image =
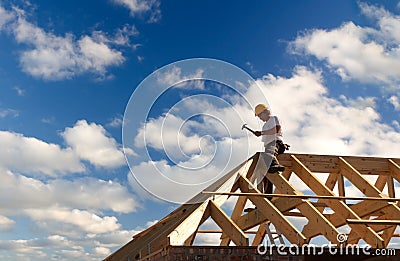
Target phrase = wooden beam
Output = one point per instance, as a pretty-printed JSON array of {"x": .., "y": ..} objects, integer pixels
[
  {"x": 317, "y": 163},
  {"x": 216, "y": 231},
  {"x": 286, "y": 174},
  {"x": 329, "y": 163},
  {"x": 363, "y": 209},
  {"x": 394, "y": 169},
  {"x": 189, "y": 225},
  {"x": 253, "y": 165},
  {"x": 388, "y": 233},
  {"x": 227, "y": 225},
  {"x": 248, "y": 167},
  {"x": 370, "y": 236},
  {"x": 306, "y": 208},
  {"x": 329, "y": 183},
  {"x": 388, "y": 215},
  {"x": 341, "y": 189},
  {"x": 236, "y": 213},
  {"x": 373, "y": 221},
  {"x": 390, "y": 186},
  {"x": 301, "y": 196},
  {"x": 368, "y": 165},
  {"x": 369, "y": 190},
  {"x": 255, "y": 217},
  {"x": 189, "y": 241},
  {"x": 355, "y": 177},
  {"x": 258, "y": 238},
  {"x": 272, "y": 213},
  {"x": 381, "y": 182},
  {"x": 241, "y": 202}
]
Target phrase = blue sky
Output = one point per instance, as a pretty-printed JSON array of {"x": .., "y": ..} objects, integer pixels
[{"x": 329, "y": 69}]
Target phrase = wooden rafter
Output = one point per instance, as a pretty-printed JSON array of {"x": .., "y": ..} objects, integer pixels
[
  {"x": 370, "y": 236},
  {"x": 227, "y": 225},
  {"x": 306, "y": 208},
  {"x": 373, "y": 218},
  {"x": 272, "y": 213}
]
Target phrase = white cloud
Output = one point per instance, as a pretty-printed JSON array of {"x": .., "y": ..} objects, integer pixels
[
  {"x": 141, "y": 7},
  {"x": 359, "y": 102},
  {"x": 315, "y": 123},
  {"x": 46, "y": 248},
  {"x": 116, "y": 122},
  {"x": 53, "y": 57},
  {"x": 93, "y": 193},
  {"x": 97, "y": 56},
  {"x": 161, "y": 133},
  {"x": 87, "y": 246},
  {"x": 122, "y": 36},
  {"x": 19, "y": 192},
  {"x": 5, "y": 16},
  {"x": 82, "y": 219},
  {"x": 6, "y": 223},
  {"x": 394, "y": 100},
  {"x": 19, "y": 90},
  {"x": 102, "y": 251},
  {"x": 358, "y": 53},
  {"x": 36, "y": 156},
  {"x": 91, "y": 142},
  {"x": 113, "y": 238},
  {"x": 175, "y": 76},
  {"x": 86, "y": 141},
  {"x": 8, "y": 113}
]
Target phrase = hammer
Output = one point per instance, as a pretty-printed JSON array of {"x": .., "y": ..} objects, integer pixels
[{"x": 247, "y": 128}]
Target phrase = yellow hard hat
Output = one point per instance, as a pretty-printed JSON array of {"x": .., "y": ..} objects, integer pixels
[{"x": 260, "y": 108}]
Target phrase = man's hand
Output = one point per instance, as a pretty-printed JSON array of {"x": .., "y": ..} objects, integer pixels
[{"x": 257, "y": 133}]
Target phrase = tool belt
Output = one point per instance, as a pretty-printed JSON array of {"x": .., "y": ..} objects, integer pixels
[{"x": 281, "y": 147}]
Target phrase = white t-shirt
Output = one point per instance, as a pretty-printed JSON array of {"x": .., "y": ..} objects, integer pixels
[{"x": 270, "y": 124}]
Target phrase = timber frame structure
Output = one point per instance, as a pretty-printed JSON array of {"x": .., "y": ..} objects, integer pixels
[{"x": 372, "y": 217}]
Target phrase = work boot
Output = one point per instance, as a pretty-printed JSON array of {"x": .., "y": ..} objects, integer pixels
[
  {"x": 275, "y": 166},
  {"x": 247, "y": 210}
]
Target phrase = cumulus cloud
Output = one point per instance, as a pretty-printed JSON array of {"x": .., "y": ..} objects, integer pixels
[
  {"x": 394, "y": 100},
  {"x": 69, "y": 208},
  {"x": 365, "y": 54},
  {"x": 6, "y": 223},
  {"x": 93, "y": 193},
  {"x": 5, "y": 16},
  {"x": 56, "y": 57},
  {"x": 138, "y": 8},
  {"x": 36, "y": 156},
  {"x": 116, "y": 122},
  {"x": 85, "y": 141},
  {"x": 27, "y": 249},
  {"x": 102, "y": 251},
  {"x": 313, "y": 122},
  {"x": 92, "y": 143},
  {"x": 82, "y": 219},
  {"x": 174, "y": 75},
  {"x": 88, "y": 246},
  {"x": 20, "y": 192}
]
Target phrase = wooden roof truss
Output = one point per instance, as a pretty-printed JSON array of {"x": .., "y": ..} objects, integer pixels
[{"x": 373, "y": 217}]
